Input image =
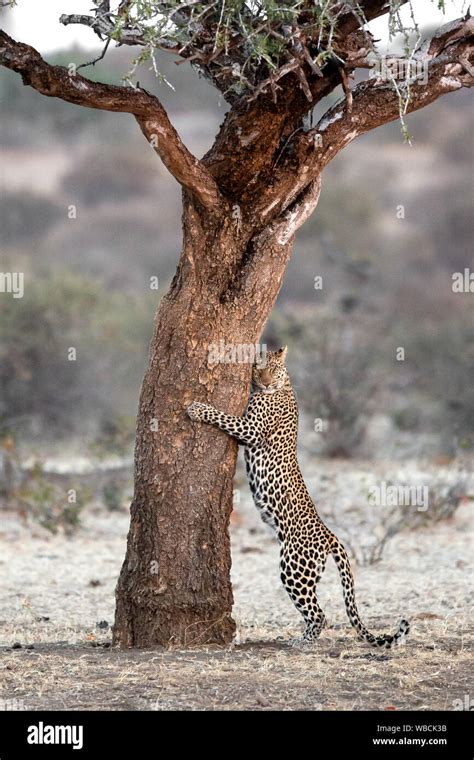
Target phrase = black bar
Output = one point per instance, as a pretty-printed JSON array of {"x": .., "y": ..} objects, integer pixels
[{"x": 105, "y": 734}]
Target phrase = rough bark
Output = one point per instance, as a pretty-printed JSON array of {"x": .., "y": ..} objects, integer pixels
[{"x": 174, "y": 587}]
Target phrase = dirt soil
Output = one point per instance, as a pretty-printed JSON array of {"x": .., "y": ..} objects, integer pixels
[{"x": 57, "y": 605}]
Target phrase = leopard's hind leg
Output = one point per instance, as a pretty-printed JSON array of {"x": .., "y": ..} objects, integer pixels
[{"x": 300, "y": 571}]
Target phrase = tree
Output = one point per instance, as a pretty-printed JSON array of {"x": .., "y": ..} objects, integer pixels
[{"x": 242, "y": 205}]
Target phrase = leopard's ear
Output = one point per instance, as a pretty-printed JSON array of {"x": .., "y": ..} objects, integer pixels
[{"x": 281, "y": 353}]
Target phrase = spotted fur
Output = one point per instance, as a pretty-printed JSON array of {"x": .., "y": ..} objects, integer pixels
[{"x": 268, "y": 431}]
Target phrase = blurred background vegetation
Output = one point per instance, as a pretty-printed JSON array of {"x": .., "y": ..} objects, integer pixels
[{"x": 386, "y": 280}]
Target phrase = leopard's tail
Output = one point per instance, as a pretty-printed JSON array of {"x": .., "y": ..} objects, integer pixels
[{"x": 387, "y": 640}]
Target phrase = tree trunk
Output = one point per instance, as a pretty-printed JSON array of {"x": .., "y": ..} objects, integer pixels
[{"x": 174, "y": 586}]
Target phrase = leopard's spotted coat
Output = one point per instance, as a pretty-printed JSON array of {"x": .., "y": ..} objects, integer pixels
[{"x": 268, "y": 431}]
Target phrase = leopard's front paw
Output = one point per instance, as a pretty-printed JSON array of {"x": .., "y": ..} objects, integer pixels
[{"x": 196, "y": 411}]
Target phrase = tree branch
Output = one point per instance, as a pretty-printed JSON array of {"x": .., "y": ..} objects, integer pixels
[
  {"x": 241, "y": 126},
  {"x": 261, "y": 146},
  {"x": 448, "y": 58},
  {"x": 57, "y": 81},
  {"x": 103, "y": 26},
  {"x": 218, "y": 64}
]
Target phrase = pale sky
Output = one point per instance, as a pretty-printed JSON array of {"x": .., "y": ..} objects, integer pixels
[{"x": 36, "y": 21}]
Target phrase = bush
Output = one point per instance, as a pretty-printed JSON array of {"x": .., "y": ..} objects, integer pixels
[
  {"x": 114, "y": 435},
  {"x": 26, "y": 215},
  {"x": 113, "y": 495},
  {"x": 444, "y": 500},
  {"x": 111, "y": 174},
  {"x": 121, "y": 247},
  {"x": 333, "y": 371},
  {"x": 41, "y": 387},
  {"x": 50, "y": 505},
  {"x": 441, "y": 357}
]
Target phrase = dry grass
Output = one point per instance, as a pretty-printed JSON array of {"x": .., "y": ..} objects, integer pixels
[
  {"x": 336, "y": 674},
  {"x": 423, "y": 574}
]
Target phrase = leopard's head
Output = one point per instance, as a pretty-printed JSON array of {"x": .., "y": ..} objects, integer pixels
[{"x": 271, "y": 375}]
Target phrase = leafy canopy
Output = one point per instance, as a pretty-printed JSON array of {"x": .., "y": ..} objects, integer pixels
[{"x": 244, "y": 45}]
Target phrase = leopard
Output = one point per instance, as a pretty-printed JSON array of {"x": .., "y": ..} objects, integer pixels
[{"x": 268, "y": 431}]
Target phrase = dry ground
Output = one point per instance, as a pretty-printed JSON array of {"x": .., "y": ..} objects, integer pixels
[{"x": 54, "y": 592}]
